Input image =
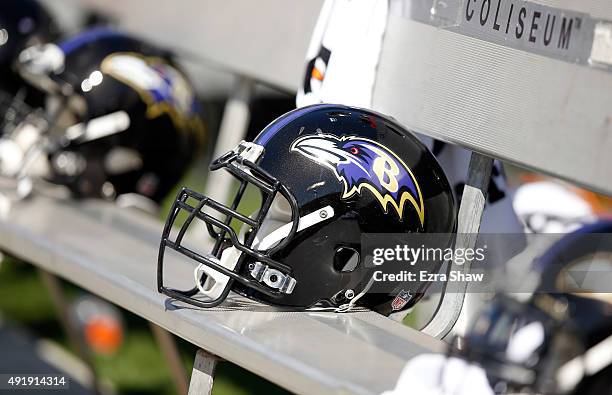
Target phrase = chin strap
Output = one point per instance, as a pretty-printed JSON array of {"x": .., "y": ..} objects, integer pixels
[{"x": 347, "y": 307}]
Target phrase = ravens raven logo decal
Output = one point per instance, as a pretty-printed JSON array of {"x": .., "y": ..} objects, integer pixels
[{"x": 363, "y": 164}]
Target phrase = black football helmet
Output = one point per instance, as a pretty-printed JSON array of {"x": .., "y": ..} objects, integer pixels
[
  {"x": 23, "y": 23},
  {"x": 557, "y": 339},
  {"x": 327, "y": 174},
  {"x": 121, "y": 119}
]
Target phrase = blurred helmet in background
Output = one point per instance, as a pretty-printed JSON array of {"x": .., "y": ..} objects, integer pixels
[
  {"x": 548, "y": 206},
  {"x": 327, "y": 174},
  {"x": 557, "y": 339},
  {"x": 23, "y": 23},
  {"x": 121, "y": 118}
]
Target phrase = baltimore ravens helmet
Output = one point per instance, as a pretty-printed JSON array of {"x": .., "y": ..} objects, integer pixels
[
  {"x": 23, "y": 23},
  {"x": 558, "y": 338},
  {"x": 120, "y": 118},
  {"x": 327, "y": 174}
]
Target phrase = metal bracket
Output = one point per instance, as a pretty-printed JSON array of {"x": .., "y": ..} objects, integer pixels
[
  {"x": 471, "y": 208},
  {"x": 203, "y": 373},
  {"x": 273, "y": 278}
]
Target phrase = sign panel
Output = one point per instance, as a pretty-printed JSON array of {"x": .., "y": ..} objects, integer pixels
[{"x": 555, "y": 32}]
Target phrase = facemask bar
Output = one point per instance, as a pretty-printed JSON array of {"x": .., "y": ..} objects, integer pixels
[
  {"x": 30, "y": 149},
  {"x": 38, "y": 63},
  {"x": 238, "y": 164}
]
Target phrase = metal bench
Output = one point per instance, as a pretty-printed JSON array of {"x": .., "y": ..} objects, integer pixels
[{"x": 112, "y": 252}]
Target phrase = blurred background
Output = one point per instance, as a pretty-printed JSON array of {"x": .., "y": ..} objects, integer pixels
[
  {"x": 124, "y": 352},
  {"x": 125, "y": 355}
]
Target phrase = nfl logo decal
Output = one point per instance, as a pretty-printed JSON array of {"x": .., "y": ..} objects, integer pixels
[{"x": 400, "y": 300}]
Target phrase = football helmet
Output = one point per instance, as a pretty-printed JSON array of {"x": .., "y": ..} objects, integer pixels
[
  {"x": 120, "y": 118},
  {"x": 327, "y": 174},
  {"x": 22, "y": 23},
  {"x": 557, "y": 339}
]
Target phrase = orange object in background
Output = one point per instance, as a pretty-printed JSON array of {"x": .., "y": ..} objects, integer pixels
[
  {"x": 600, "y": 204},
  {"x": 548, "y": 205},
  {"x": 99, "y": 322},
  {"x": 103, "y": 334},
  {"x": 316, "y": 74}
]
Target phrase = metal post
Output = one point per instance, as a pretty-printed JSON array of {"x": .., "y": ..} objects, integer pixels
[
  {"x": 166, "y": 342},
  {"x": 468, "y": 224},
  {"x": 233, "y": 129},
  {"x": 203, "y": 372},
  {"x": 54, "y": 286}
]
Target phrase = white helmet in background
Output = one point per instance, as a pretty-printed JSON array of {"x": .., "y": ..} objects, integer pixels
[{"x": 550, "y": 207}]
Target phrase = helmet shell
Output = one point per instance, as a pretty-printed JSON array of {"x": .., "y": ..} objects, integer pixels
[
  {"x": 378, "y": 178},
  {"x": 22, "y": 23},
  {"x": 112, "y": 72}
]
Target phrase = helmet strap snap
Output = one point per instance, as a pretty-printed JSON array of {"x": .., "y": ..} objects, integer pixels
[
  {"x": 345, "y": 308},
  {"x": 273, "y": 278}
]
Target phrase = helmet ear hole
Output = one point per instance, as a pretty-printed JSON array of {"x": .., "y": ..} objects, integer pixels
[{"x": 346, "y": 259}]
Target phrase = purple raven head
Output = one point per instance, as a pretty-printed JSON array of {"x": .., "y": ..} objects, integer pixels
[{"x": 361, "y": 163}]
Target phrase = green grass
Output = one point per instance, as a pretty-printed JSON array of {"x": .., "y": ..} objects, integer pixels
[
  {"x": 21, "y": 295},
  {"x": 138, "y": 367},
  {"x": 410, "y": 320}
]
